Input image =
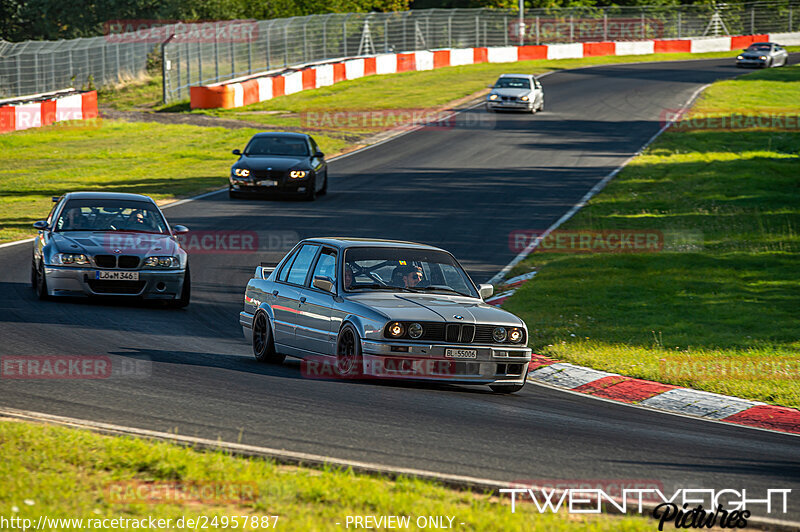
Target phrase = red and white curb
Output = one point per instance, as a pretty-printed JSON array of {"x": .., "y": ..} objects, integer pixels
[
  {"x": 267, "y": 85},
  {"x": 664, "y": 397},
  {"x": 17, "y": 114}
]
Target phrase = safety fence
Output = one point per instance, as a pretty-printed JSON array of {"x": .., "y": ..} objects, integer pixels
[{"x": 202, "y": 53}]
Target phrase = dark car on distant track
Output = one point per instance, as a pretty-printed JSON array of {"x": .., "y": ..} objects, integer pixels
[{"x": 280, "y": 163}]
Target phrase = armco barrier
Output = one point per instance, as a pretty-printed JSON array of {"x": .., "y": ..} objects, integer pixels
[
  {"x": 46, "y": 109},
  {"x": 236, "y": 93}
]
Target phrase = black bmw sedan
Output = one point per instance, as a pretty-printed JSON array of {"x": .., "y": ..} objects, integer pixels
[{"x": 280, "y": 163}]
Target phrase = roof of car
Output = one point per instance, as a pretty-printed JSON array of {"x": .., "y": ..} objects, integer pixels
[
  {"x": 280, "y": 134},
  {"x": 347, "y": 242},
  {"x": 109, "y": 195},
  {"x": 516, "y": 75}
]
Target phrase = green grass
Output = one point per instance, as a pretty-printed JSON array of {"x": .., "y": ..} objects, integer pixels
[
  {"x": 732, "y": 298},
  {"x": 70, "y": 473},
  {"x": 163, "y": 161}
]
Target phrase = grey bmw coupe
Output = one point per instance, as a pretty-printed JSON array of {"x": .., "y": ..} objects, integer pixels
[
  {"x": 109, "y": 244},
  {"x": 383, "y": 309}
]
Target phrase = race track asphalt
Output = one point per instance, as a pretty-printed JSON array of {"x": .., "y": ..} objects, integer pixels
[{"x": 465, "y": 189}]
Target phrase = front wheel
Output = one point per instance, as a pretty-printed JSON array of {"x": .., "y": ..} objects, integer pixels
[
  {"x": 182, "y": 301},
  {"x": 263, "y": 343},
  {"x": 349, "y": 362},
  {"x": 40, "y": 283},
  {"x": 311, "y": 190},
  {"x": 324, "y": 189}
]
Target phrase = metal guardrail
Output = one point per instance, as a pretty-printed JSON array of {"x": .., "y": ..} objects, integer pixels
[{"x": 210, "y": 52}]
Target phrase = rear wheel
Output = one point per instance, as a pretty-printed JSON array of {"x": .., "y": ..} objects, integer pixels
[
  {"x": 349, "y": 362},
  {"x": 263, "y": 343}
]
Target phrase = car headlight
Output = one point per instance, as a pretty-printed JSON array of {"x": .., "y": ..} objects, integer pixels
[
  {"x": 524, "y": 98},
  {"x": 740, "y": 57},
  {"x": 515, "y": 335},
  {"x": 297, "y": 174},
  {"x": 499, "y": 334},
  {"x": 763, "y": 57},
  {"x": 396, "y": 329},
  {"x": 241, "y": 172},
  {"x": 415, "y": 330},
  {"x": 72, "y": 258},
  {"x": 493, "y": 96},
  {"x": 162, "y": 262}
]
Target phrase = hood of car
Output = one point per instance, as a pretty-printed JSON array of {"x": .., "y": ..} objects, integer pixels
[
  {"x": 516, "y": 93},
  {"x": 272, "y": 163},
  {"x": 405, "y": 306},
  {"x": 114, "y": 243}
]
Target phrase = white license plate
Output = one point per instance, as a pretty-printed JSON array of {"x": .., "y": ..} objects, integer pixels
[
  {"x": 268, "y": 183},
  {"x": 461, "y": 353},
  {"x": 117, "y": 276}
]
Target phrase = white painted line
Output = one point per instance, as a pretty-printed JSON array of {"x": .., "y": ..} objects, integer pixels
[
  {"x": 14, "y": 243},
  {"x": 589, "y": 195}
]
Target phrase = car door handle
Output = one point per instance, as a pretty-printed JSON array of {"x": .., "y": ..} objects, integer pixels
[
  {"x": 274, "y": 292},
  {"x": 302, "y": 300}
]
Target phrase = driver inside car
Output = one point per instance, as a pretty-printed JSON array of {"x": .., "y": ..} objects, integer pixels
[{"x": 409, "y": 275}]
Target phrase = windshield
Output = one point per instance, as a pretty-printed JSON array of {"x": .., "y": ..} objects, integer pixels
[
  {"x": 277, "y": 145},
  {"x": 759, "y": 48},
  {"x": 111, "y": 215},
  {"x": 404, "y": 270},
  {"x": 513, "y": 83}
]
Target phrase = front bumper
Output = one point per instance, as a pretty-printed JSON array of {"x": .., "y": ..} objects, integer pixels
[
  {"x": 754, "y": 63},
  {"x": 499, "y": 105},
  {"x": 294, "y": 186},
  {"x": 152, "y": 284},
  {"x": 493, "y": 364}
]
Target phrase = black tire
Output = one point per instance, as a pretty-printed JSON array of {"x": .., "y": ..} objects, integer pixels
[
  {"x": 33, "y": 275},
  {"x": 349, "y": 362},
  {"x": 186, "y": 292},
  {"x": 263, "y": 342},
  {"x": 324, "y": 189},
  {"x": 233, "y": 194},
  {"x": 41, "y": 284},
  {"x": 311, "y": 190}
]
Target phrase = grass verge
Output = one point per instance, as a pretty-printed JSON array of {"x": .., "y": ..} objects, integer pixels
[
  {"x": 719, "y": 311},
  {"x": 69, "y": 473}
]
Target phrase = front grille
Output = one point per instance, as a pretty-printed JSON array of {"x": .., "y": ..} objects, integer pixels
[
  {"x": 105, "y": 261},
  {"x": 458, "y": 333},
  {"x": 258, "y": 175},
  {"x": 128, "y": 262},
  {"x": 102, "y": 286},
  {"x": 454, "y": 333},
  {"x": 509, "y": 99}
]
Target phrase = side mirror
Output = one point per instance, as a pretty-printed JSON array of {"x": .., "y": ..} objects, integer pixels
[
  {"x": 486, "y": 290},
  {"x": 319, "y": 154},
  {"x": 40, "y": 225},
  {"x": 323, "y": 283},
  {"x": 237, "y": 152},
  {"x": 491, "y": 86},
  {"x": 180, "y": 229}
]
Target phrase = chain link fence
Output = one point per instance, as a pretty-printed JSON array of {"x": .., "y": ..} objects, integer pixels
[
  {"x": 281, "y": 43},
  {"x": 210, "y": 52},
  {"x": 34, "y": 67}
]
